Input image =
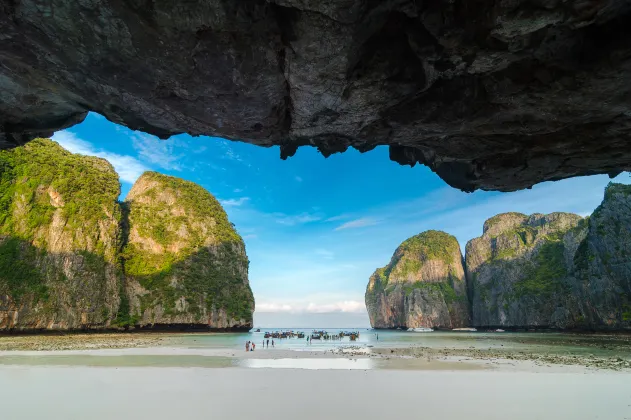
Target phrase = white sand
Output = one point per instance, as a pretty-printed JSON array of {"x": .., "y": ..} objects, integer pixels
[{"x": 176, "y": 393}]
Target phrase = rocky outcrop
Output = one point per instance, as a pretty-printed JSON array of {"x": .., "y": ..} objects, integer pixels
[
  {"x": 603, "y": 262},
  {"x": 491, "y": 95},
  {"x": 558, "y": 271},
  {"x": 59, "y": 237},
  {"x": 62, "y": 231},
  {"x": 184, "y": 262},
  {"x": 422, "y": 286},
  {"x": 519, "y": 271}
]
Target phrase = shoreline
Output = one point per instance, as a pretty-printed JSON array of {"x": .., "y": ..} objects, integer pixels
[
  {"x": 155, "y": 345},
  {"x": 173, "y": 329}
]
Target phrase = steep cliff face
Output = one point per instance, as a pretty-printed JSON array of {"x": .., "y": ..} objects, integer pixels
[
  {"x": 489, "y": 94},
  {"x": 603, "y": 262},
  {"x": 519, "y": 271},
  {"x": 422, "y": 286},
  {"x": 184, "y": 262},
  {"x": 59, "y": 237}
]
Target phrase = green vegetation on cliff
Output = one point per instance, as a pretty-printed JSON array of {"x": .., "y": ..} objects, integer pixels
[
  {"x": 58, "y": 218},
  {"x": 19, "y": 274},
  {"x": 72, "y": 256},
  {"x": 432, "y": 245},
  {"x": 41, "y": 176},
  {"x": 422, "y": 285},
  {"x": 182, "y": 244},
  {"x": 547, "y": 273}
]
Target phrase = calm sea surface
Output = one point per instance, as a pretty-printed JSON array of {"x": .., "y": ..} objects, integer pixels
[{"x": 556, "y": 343}]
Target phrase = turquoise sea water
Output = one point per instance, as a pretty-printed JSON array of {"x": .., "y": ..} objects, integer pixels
[
  {"x": 556, "y": 343},
  {"x": 199, "y": 349}
]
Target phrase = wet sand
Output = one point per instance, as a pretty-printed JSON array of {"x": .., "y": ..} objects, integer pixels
[
  {"x": 166, "y": 376},
  {"x": 166, "y": 393},
  {"x": 48, "y": 342},
  {"x": 612, "y": 352}
]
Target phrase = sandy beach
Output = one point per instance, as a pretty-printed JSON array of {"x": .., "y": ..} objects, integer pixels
[
  {"x": 167, "y": 393},
  {"x": 201, "y": 376}
]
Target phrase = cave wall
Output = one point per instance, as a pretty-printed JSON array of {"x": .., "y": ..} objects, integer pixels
[{"x": 490, "y": 95}]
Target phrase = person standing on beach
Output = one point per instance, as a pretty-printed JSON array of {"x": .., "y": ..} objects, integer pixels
[
  {"x": 268, "y": 343},
  {"x": 253, "y": 347},
  {"x": 247, "y": 346},
  {"x": 272, "y": 343}
]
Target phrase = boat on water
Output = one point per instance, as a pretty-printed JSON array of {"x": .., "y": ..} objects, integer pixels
[
  {"x": 499, "y": 330},
  {"x": 422, "y": 330},
  {"x": 465, "y": 329}
]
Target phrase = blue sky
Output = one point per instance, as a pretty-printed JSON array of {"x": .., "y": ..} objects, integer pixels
[{"x": 315, "y": 229}]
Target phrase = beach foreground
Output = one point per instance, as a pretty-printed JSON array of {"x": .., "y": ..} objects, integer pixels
[
  {"x": 481, "y": 376},
  {"x": 167, "y": 393}
]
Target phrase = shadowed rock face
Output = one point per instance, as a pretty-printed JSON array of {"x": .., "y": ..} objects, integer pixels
[
  {"x": 491, "y": 95},
  {"x": 519, "y": 272},
  {"x": 422, "y": 286}
]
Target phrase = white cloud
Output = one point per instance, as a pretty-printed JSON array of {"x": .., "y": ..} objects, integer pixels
[
  {"x": 250, "y": 236},
  {"x": 338, "y": 217},
  {"x": 298, "y": 219},
  {"x": 298, "y": 179},
  {"x": 325, "y": 253},
  {"x": 234, "y": 202},
  {"x": 156, "y": 151},
  {"x": 357, "y": 223},
  {"x": 128, "y": 167},
  {"x": 237, "y": 190},
  {"x": 346, "y": 306}
]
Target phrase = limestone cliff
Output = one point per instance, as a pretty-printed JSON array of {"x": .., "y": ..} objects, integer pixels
[
  {"x": 489, "y": 94},
  {"x": 62, "y": 231},
  {"x": 519, "y": 271},
  {"x": 184, "y": 262},
  {"x": 603, "y": 262},
  {"x": 422, "y": 286},
  {"x": 59, "y": 236}
]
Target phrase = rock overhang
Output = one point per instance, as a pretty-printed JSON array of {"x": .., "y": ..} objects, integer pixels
[{"x": 489, "y": 95}]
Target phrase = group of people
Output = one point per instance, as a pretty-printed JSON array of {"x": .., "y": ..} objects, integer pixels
[{"x": 250, "y": 346}]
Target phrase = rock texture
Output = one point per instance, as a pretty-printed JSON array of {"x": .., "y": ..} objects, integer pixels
[
  {"x": 61, "y": 235},
  {"x": 492, "y": 95},
  {"x": 184, "y": 262},
  {"x": 422, "y": 286},
  {"x": 519, "y": 271},
  {"x": 558, "y": 271},
  {"x": 603, "y": 262}
]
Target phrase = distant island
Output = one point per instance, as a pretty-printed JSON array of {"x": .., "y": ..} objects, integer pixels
[
  {"x": 72, "y": 257},
  {"x": 554, "y": 271}
]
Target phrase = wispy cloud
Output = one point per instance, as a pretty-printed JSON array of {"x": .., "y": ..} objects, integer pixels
[
  {"x": 299, "y": 219},
  {"x": 346, "y": 306},
  {"x": 234, "y": 202},
  {"x": 324, "y": 253},
  {"x": 237, "y": 190},
  {"x": 250, "y": 236},
  {"x": 338, "y": 217},
  {"x": 358, "y": 223},
  {"x": 128, "y": 167},
  {"x": 159, "y": 152}
]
